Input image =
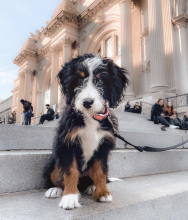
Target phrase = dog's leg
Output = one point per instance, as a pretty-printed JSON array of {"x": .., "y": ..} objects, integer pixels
[
  {"x": 70, "y": 194},
  {"x": 54, "y": 192},
  {"x": 96, "y": 173}
]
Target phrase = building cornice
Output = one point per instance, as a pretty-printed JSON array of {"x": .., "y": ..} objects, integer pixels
[
  {"x": 15, "y": 89},
  {"x": 23, "y": 56},
  {"x": 62, "y": 18},
  {"x": 180, "y": 21},
  {"x": 45, "y": 49},
  {"x": 91, "y": 10}
]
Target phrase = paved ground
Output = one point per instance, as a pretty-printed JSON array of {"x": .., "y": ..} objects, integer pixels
[{"x": 155, "y": 197}]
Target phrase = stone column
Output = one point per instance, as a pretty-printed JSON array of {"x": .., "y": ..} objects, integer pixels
[
  {"x": 157, "y": 51},
  {"x": 181, "y": 51},
  {"x": 66, "y": 57},
  {"x": 126, "y": 43},
  {"x": 20, "y": 96},
  {"x": 168, "y": 45},
  {"x": 66, "y": 50},
  {"x": 27, "y": 90},
  {"x": 34, "y": 95},
  {"x": 38, "y": 107},
  {"x": 54, "y": 72}
]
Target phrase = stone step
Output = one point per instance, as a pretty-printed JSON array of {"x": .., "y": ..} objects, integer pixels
[
  {"x": 163, "y": 196},
  {"x": 22, "y": 170},
  {"x": 41, "y": 138}
]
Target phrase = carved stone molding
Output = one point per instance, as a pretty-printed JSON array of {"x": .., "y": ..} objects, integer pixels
[
  {"x": 67, "y": 41},
  {"x": 92, "y": 10},
  {"x": 62, "y": 18},
  {"x": 21, "y": 74},
  {"x": 180, "y": 21},
  {"x": 145, "y": 32},
  {"x": 38, "y": 93},
  {"x": 23, "y": 56},
  {"x": 101, "y": 18},
  {"x": 44, "y": 50},
  {"x": 54, "y": 49}
]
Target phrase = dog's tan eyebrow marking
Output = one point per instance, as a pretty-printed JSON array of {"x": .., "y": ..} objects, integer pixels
[{"x": 82, "y": 74}]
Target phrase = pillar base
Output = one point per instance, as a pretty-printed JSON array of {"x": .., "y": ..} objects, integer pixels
[
  {"x": 158, "y": 88},
  {"x": 129, "y": 95}
]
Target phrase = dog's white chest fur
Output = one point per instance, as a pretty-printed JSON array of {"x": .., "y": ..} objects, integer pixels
[{"x": 90, "y": 138}]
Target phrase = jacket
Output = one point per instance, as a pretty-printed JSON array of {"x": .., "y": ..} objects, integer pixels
[
  {"x": 185, "y": 121},
  {"x": 127, "y": 107},
  {"x": 155, "y": 112},
  {"x": 51, "y": 112},
  {"x": 169, "y": 111},
  {"x": 137, "y": 109}
]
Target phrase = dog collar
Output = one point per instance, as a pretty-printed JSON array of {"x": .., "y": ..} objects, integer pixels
[{"x": 101, "y": 117}]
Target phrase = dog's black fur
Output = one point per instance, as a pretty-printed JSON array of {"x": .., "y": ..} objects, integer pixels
[{"x": 112, "y": 81}]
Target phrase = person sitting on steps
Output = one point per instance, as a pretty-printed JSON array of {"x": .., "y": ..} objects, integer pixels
[
  {"x": 136, "y": 109},
  {"x": 185, "y": 121},
  {"x": 170, "y": 113},
  {"x": 49, "y": 116},
  {"x": 127, "y": 106},
  {"x": 158, "y": 116}
]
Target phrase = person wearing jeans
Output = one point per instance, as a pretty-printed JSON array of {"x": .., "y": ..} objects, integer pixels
[
  {"x": 28, "y": 117},
  {"x": 28, "y": 109},
  {"x": 157, "y": 114}
]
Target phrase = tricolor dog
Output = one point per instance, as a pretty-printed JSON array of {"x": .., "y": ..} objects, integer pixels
[{"x": 85, "y": 134}]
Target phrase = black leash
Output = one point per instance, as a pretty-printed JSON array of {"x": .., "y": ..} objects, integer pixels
[{"x": 149, "y": 149}]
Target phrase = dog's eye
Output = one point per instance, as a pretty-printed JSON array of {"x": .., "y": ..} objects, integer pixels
[{"x": 82, "y": 74}]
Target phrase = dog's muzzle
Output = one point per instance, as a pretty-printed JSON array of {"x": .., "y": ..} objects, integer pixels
[{"x": 87, "y": 103}]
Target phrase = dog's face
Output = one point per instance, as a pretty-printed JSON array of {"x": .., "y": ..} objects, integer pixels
[{"x": 91, "y": 83}]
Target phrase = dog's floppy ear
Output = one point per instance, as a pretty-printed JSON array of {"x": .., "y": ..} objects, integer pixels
[
  {"x": 118, "y": 84},
  {"x": 67, "y": 77}
]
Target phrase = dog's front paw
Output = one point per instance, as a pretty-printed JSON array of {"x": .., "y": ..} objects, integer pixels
[
  {"x": 69, "y": 201},
  {"x": 53, "y": 192},
  {"x": 90, "y": 190},
  {"x": 108, "y": 198},
  {"x": 102, "y": 196}
]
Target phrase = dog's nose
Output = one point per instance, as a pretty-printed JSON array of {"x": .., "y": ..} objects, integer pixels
[{"x": 87, "y": 103}]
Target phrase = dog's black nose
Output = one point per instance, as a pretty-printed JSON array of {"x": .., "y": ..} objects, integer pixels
[{"x": 87, "y": 103}]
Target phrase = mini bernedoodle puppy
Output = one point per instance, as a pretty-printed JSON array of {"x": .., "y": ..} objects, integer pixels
[{"x": 85, "y": 134}]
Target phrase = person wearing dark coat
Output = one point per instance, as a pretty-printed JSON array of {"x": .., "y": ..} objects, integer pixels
[
  {"x": 185, "y": 121},
  {"x": 136, "y": 109},
  {"x": 49, "y": 116},
  {"x": 158, "y": 116},
  {"x": 28, "y": 109},
  {"x": 127, "y": 106}
]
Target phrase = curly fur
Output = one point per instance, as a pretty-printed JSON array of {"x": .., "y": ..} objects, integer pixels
[{"x": 71, "y": 143}]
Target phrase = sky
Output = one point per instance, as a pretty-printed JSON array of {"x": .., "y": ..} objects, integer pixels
[{"x": 17, "y": 19}]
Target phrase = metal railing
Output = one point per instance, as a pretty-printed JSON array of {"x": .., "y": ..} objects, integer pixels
[{"x": 178, "y": 101}]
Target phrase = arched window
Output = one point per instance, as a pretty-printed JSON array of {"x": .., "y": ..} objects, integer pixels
[
  {"x": 118, "y": 42},
  {"x": 109, "y": 47}
]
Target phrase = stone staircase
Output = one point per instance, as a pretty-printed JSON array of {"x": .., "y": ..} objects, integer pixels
[{"x": 154, "y": 186}]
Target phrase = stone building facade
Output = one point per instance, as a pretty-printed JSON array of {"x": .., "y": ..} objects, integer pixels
[
  {"x": 6, "y": 109},
  {"x": 148, "y": 37}
]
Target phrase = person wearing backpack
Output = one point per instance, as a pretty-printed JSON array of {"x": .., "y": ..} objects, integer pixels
[{"x": 28, "y": 109}]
